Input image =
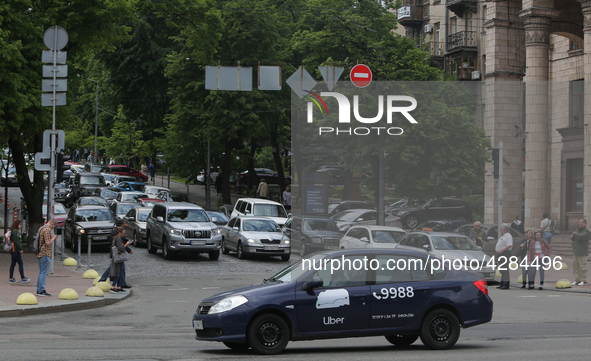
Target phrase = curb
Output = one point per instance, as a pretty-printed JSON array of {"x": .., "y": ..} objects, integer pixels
[
  {"x": 571, "y": 290},
  {"x": 58, "y": 306}
]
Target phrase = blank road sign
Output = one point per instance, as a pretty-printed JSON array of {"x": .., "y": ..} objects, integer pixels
[
  {"x": 48, "y": 55},
  {"x": 269, "y": 78},
  {"x": 61, "y": 85},
  {"x": 47, "y": 99},
  {"x": 228, "y": 78},
  {"x": 61, "y": 71}
]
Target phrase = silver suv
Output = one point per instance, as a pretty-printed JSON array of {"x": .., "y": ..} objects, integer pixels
[{"x": 182, "y": 227}]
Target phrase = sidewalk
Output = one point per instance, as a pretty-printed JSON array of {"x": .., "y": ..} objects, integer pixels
[{"x": 63, "y": 277}]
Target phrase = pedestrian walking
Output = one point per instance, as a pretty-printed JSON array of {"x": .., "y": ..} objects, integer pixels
[
  {"x": 580, "y": 239},
  {"x": 44, "y": 256},
  {"x": 263, "y": 189},
  {"x": 522, "y": 253},
  {"x": 152, "y": 170},
  {"x": 287, "y": 199},
  {"x": 547, "y": 227},
  {"x": 538, "y": 249},
  {"x": 16, "y": 237},
  {"x": 115, "y": 273},
  {"x": 218, "y": 184},
  {"x": 503, "y": 249}
]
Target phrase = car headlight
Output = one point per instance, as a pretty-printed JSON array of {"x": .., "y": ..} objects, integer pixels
[
  {"x": 81, "y": 231},
  {"x": 216, "y": 231},
  {"x": 178, "y": 232},
  {"x": 253, "y": 240},
  {"x": 316, "y": 240},
  {"x": 285, "y": 241},
  {"x": 227, "y": 304}
]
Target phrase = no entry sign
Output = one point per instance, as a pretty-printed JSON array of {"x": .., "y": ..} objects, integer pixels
[{"x": 360, "y": 75}]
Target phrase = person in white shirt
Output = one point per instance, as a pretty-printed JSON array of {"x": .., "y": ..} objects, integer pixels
[{"x": 503, "y": 249}]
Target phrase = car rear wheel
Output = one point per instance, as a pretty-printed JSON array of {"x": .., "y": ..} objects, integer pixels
[
  {"x": 240, "y": 251},
  {"x": 238, "y": 346},
  {"x": 267, "y": 334},
  {"x": 150, "y": 246},
  {"x": 411, "y": 221},
  {"x": 285, "y": 257},
  {"x": 165, "y": 250},
  {"x": 440, "y": 329},
  {"x": 402, "y": 340},
  {"x": 224, "y": 249},
  {"x": 136, "y": 239},
  {"x": 214, "y": 255},
  {"x": 303, "y": 250},
  {"x": 74, "y": 245}
]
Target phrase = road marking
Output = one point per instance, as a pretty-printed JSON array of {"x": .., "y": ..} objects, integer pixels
[
  {"x": 177, "y": 289},
  {"x": 528, "y": 296},
  {"x": 211, "y": 288},
  {"x": 174, "y": 301},
  {"x": 554, "y": 295}
]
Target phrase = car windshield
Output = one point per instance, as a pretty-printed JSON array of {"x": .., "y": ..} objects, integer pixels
[
  {"x": 296, "y": 270},
  {"x": 187, "y": 215},
  {"x": 123, "y": 208},
  {"x": 93, "y": 215},
  {"x": 106, "y": 193},
  {"x": 455, "y": 243},
  {"x": 92, "y": 180},
  {"x": 132, "y": 197},
  {"x": 269, "y": 210},
  {"x": 109, "y": 177},
  {"x": 87, "y": 201},
  {"x": 220, "y": 216},
  {"x": 345, "y": 216},
  {"x": 142, "y": 215},
  {"x": 58, "y": 208},
  {"x": 180, "y": 198},
  {"x": 260, "y": 225},
  {"x": 320, "y": 225},
  {"x": 137, "y": 187},
  {"x": 331, "y": 207},
  {"x": 387, "y": 236}
]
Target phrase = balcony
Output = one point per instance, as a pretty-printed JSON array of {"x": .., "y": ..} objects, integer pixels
[
  {"x": 458, "y": 7},
  {"x": 435, "y": 48},
  {"x": 412, "y": 16},
  {"x": 463, "y": 40}
]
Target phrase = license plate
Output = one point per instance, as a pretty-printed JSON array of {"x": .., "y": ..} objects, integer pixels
[
  {"x": 198, "y": 324},
  {"x": 330, "y": 247},
  {"x": 197, "y": 243},
  {"x": 99, "y": 237},
  {"x": 271, "y": 248}
]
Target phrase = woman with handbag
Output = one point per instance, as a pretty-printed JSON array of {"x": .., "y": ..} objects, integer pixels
[
  {"x": 538, "y": 249},
  {"x": 522, "y": 253},
  {"x": 16, "y": 237},
  {"x": 119, "y": 255}
]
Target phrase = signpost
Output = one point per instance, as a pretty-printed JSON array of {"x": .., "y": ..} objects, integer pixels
[{"x": 361, "y": 75}]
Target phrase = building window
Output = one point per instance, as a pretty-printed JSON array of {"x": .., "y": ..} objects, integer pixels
[
  {"x": 573, "y": 45},
  {"x": 483, "y": 66},
  {"x": 574, "y": 185},
  {"x": 577, "y": 105},
  {"x": 484, "y": 13},
  {"x": 453, "y": 25}
]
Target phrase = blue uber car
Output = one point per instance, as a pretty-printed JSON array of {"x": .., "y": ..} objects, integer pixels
[{"x": 364, "y": 297}]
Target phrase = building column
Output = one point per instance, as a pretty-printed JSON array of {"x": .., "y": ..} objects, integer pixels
[
  {"x": 586, "y": 7},
  {"x": 537, "y": 23}
]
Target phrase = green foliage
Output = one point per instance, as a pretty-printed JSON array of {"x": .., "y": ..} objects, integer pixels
[{"x": 476, "y": 204}]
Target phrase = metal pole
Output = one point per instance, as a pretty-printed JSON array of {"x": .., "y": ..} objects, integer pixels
[
  {"x": 62, "y": 231},
  {"x": 89, "y": 245},
  {"x": 381, "y": 190},
  {"x": 52, "y": 138},
  {"x": 79, "y": 251},
  {"x": 168, "y": 175},
  {"x": 96, "y": 124},
  {"x": 500, "y": 215},
  {"x": 207, "y": 177}
]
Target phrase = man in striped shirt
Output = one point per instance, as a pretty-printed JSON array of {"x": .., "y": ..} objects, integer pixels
[{"x": 44, "y": 255}]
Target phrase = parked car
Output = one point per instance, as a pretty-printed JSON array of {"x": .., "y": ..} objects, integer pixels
[
  {"x": 441, "y": 225},
  {"x": 335, "y": 208},
  {"x": 109, "y": 194},
  {"x": 255, "y": 236},
  {"x": 182, "y": 227},
  {"x": 64, "y": 195},
  {"x": 109, "y": 178},
  {"x": 227, "y": 210},
  {"x": 130, "y": 186},
  {"x": 491, "y": 232},
  {"x": 310, "y": 234},
  {"x": 153, "y": 190},
  {"x": 441, "y": 208},
  {"x": 134, "y": 223},
  {"x": 179, "y": 197},
  {"x": 270, "y": 176},
  {"x": 125, "y": 170},
  {"x": 120, "y": 209},
  {"x": 92, "y": 201},
  {"x": 220, "y": 218},
  {"x": 149, "y": 202},
  {"x": 371, "y": 236},
  {"x": 401, "y": 305},
  {"x": 260, "y": 208},
  {"x": 347, "y": 219},
  {"x": 212, "y": 177},
  {"x": 130, "y": 196},
  {"x": 59, "y": 213},
  {"x": 88, "y": 221},
  {"x": 86, "y": 184},
  {"x": 96, "y": 168},
  {"x": 451, "y": 246},
  {"x": 122, "y": 178}
]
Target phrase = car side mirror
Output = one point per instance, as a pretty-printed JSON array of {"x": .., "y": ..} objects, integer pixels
[
  {"x": 160, "y": 219},
  {"x": 426, "y": 247},
  {"x": 364, "y": 239},
  {"x": 214, "y": 219},
  {"x": 235, "y": 228},
  {"x": 360, "y": 220},
  {"x": 288, "y": 215},
  {"x": 490, "y": 238},
  {"x": 315, "y": 282}
]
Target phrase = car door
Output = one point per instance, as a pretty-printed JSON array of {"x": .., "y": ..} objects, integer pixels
[
  {"x": 402, "y": 288},
  {"x": 234, "y": 235},
  {"x": 128, "y": 221},
  {"x": 341, "y": 304},
  {"x": 70, "y": 226},
  {"x": 296, "y": 233}
]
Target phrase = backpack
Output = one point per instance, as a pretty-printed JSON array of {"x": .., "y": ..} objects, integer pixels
[
  {"x": 35, "y": 245},
  {"x": 552, "y": 225},
  {"x": 7, "y": 243}
]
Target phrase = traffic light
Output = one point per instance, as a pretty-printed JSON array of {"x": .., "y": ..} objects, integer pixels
[
  {"x": 61, "y": 167},
  {"x": 495, "y": 160}
]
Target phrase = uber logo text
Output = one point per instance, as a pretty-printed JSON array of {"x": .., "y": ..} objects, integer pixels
[
  {"x": 333, "y": 321},
  {"x": 345, "y": 114}
]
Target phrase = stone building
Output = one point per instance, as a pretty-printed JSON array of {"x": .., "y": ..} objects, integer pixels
[{"x": 533, "y": 59}]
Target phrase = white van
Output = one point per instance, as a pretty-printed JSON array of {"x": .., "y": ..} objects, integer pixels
[{"x": 260, "y": 208}]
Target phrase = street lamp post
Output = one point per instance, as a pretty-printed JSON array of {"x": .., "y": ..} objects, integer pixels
[{"x": 95, "y": 119}]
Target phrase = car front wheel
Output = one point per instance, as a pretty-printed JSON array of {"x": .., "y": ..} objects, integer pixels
[
  {"x": 440, "y": 329},
  {"x": 224, "y": 249},
  {"x": 214, "y": 255},
  {"x": 165, "y": 250},
  {"x": 411, "y": 221},
  {"x": 150, "y": 246},
  {"x": 267, "y": 334},
  {"x": 303, "y": 250},
  {"x": 240, "y": 251},
  {"x": 285, "y": 257}
]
